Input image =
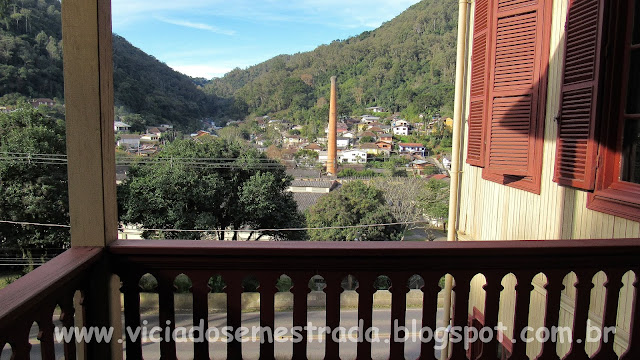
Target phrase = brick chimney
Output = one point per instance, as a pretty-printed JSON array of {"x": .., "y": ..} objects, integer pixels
[{"x": 333, "y": 124}]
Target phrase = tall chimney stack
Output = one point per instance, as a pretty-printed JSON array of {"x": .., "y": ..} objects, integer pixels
[{"x": 332, "y": 158}]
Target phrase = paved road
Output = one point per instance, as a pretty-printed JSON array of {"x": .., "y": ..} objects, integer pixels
[{"x": 381, "y": 320}]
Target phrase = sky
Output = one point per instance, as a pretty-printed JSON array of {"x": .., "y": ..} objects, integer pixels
[{"x": 208, "y": 38}]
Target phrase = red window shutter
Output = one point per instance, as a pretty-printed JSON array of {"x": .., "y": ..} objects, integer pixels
[
  {"x": 479, "y": 84},
  {"x": 515, "y": 75},
  {"x": 576, "y": 150}
]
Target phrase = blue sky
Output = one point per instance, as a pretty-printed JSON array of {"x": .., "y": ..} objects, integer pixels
[{"x": 207, "y": 38}]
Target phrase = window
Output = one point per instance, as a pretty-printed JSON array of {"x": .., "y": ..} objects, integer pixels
[
  {"x": 599, "y": 123},
  {"x": 508, "y": 88}
]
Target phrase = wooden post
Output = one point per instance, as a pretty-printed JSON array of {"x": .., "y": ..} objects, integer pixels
[{"x": 88, "y": 80}]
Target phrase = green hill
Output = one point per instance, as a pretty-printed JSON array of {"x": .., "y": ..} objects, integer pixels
[
  {"x": 408, "y": 64},
  {"x": 31, "y": 66}
]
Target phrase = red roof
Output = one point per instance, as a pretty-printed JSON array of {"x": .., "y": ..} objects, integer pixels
[
  {"x": 410, "y": 145},
  {"x": 313, "y": 147},
  {"x": 439, "y": 177}
]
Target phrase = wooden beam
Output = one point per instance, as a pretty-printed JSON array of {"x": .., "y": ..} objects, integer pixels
[
  {"x": 88, "y": 80},
  {"x": 88, "y": 85}
]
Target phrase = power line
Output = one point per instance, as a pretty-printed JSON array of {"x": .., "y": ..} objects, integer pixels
[
  {"x": 234, "y": 230},
  {"x": 218, "y": 163},
  {"x": 34, "y": 224}
]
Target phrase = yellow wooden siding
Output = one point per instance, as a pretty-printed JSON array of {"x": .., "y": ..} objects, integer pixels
[{"x": 490, "y": 211}]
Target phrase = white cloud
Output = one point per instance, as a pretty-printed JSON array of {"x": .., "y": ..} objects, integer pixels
[
  {"x": 205, "y": 71},
  {"x": 193, "y": 25},
  {"x": 336, "y": 13}
]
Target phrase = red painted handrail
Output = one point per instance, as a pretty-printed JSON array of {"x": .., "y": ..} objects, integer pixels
[
  {"x": 199, "y": 260},
  {"x": 33, "y": 298}
]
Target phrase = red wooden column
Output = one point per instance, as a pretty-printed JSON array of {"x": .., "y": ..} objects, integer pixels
[{"x": 429, "y": 313}]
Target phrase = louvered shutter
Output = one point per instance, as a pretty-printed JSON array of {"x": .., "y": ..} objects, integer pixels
[
  {"x": 576, "y": 147},
  {"x": 514, "y": 86},
  {"x": 479, "y": 84}
]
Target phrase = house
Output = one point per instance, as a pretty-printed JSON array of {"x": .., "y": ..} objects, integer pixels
[
  {"x": 401, "y": 130},
  {"x": 420, "y": 164},
  {"x": 375, "y": 109},
  {"x": 400, "y": 122},
  {"x": 352, "y": 156},
  {"x": 155, "y": 137},
  {"x": 340, "y": 128},
  {"x": 384, "y": 145},
  {"x": 446, "y": 162},
  {"x": 314, "y": 147},
  {"x": 154, "y": 130},
  {"x": 349, "y": 135},
  {"x": 119, "y": 126},
  {"x": 343, "y": 143},
  {"x": 323, "y": 156},
  {"x": 376, "y": 130},
  {"x": 566, "y": 169},
  {"x": 362, "y": 127},
  {"x": 42, "y": 101},
  {"x": 367, "y": 119},
  {"x": 448, "y": 123},
  {"x": 306, "y": 193},
  {"x": 386, "y": 138},
  {"x": 351, "y": 121},
  {"x": 128, "y": 141},
  {"x": 279, "y": 125},
  {"x": 371, "y": 149},
  {"x": 440, "y": 177},
  {"x": 412, "y": 148},
  {"x": 368, "y": 134},
  {"x": 587, "y": 280},
  {"x": 199, "y": 135},
  {"x": 292, "y": 140}
]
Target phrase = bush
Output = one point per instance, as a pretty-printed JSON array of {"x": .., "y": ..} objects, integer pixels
[
  {"x": 216, "y": 284},
  {"x": 148, "y": 283},
  {"x": 182, "y": 284},
  {"x": 284, "y": 283}
]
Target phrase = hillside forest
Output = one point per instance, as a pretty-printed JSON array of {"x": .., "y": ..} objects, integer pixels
[{"x": 407, "y": 65}]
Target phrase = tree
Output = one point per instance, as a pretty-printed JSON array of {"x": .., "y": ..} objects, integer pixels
[
  {"x": 353, "y": 204},
  {"x": 214, "y": 185},
  {"x": 367, "y": 139},
  {"x": 33, "y": 188},
  {"x": 306, "y": 157},
  {"x": 402, "y": 196},
  {"x": 434, "y": 199}
]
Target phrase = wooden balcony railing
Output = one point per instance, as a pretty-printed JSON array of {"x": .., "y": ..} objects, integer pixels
[{"x": 33, "y": 297}]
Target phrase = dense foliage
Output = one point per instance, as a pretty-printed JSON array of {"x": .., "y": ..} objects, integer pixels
[
  {"x": 408, "y": 64},
  {"x": 31, "y": 48},
  {"x": 146, "y": 91},
  {"x": 353, "y": 204},
  {"x": 159, "y": 94},
  {"x": 33, "y": 190},
  {"x": 181, "y": 191},
  {"x": 434, "y": 199}
]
